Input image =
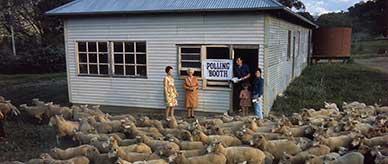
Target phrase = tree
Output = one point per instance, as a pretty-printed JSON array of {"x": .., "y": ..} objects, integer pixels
[
  {"x": 307, "y": 15},
  {"x": 341, "y": 19},
  {"x": 297, "y": 4}
]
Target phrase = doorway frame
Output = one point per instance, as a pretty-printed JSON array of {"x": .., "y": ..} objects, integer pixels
[{"x": 252, "y": 47}]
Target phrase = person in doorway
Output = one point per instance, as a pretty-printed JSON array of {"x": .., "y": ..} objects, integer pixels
[
  {"x": 241, "y": 71},
  {"x": 191, "y": 87},
  {"x": 170, "y": 93},
  {"x": 242, "y": 74},
  {"x": 245, "y": 99},
  {"x": 257, "y": 93}
]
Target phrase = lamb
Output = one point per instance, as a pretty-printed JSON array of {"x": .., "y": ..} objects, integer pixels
[
  {"x": 131, "y": 156},
  {"x": 179, "y": 133},
  {"x": 65, "y": 128},
  {"x": 75, "y": 160},
  {"x": 186, "y": 145},
  {"x": 36, "y": 112},
  {"x": 226, "y": 140},
  {"x": 301, "y": 157},
  {"x": 376, "y": 141},
  {"x": 124, "y": 142},
  {"x": 84, "y": 138},
  {"x": 352, "y": 157},
  {"x": 295, "y": 132},
  {"x": 313, "y": 159},
  {"x": 7, "y": 107},
  {"x": 214, "y": 122},
  {"x": 134, "y": 131},
  {"x": 172, "y": 123},
  {"x": 146, "y": 121},
  {"x": 37, "y": 102},
  {"x": 102, "y": 146},
  {"x": 101, "y": 127},
  {"x": 156, "y": 161},
  {"x": 97, "y": 158},
  {"x": 193, "y": 152},
  {"x": 69, "y": 153},
  {"x": 211, "y": 158},
  {"x": 85, "y": 126},
  {"x": 275, "y": 148},
  {"x": 57, "y": 110},
  {"x": 336, "y": 142},
  {"x": 162, "y": 147},
  {"x": 137, "y": 148},
  {"x": 240, "y": 154},
  {"x": 122, "y": 117}
]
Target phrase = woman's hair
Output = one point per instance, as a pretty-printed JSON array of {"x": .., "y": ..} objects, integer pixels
[
  {"x": 190, "y": 70},
  {"x": 245, "y": 85},
  {"x": 168, "y": 68},
  {"x": 258, "y": 69}
]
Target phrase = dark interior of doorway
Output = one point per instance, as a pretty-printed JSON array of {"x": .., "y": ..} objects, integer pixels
[{"x": 250, "y": 57}]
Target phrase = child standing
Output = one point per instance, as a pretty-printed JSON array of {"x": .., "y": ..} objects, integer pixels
[{"x": 245, "y": 99}]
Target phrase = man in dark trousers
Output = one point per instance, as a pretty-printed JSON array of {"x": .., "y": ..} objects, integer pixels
[{"x": 241, "y": 71}]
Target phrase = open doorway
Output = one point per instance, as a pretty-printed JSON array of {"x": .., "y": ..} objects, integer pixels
[{"x": 250, "y": 57}]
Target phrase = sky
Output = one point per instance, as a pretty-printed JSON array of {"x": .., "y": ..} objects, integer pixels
[{"x": 317, "y": 7}]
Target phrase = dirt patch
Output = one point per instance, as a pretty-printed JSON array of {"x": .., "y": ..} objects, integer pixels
[{"x": 27, "y": 140}]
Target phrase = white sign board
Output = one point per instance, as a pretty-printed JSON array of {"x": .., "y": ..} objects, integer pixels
[{"x": 217, "y": 69}]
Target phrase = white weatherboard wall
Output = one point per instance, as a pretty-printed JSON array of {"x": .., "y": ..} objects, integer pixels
[
  {"x": 279, "y": 71},
  {"x": 161, "y": 33}
]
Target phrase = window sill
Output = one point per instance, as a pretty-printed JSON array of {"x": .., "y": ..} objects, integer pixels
[{"x": 114, "y": 76}]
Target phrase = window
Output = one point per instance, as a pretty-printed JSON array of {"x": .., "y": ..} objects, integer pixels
[
  {"x": 112, "y": 58},
  {"x": 129, "y": 59},
  {"x": 289, "y": 45},
  {"x": 217, "y": 53},
  {"x": 190, "y": 57},
  {"x": 93, "y": 58}
]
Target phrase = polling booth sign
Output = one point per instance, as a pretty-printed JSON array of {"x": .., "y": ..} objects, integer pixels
[{"x": 217, "y": 69}]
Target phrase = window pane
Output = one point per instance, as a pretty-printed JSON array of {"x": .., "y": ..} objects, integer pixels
[
  {"x": 92, "y": 47},
  {"x": 118, "y": 47},
  {"x": 196, "y": 73},
  {"x": 93, "y": 69},
  {"x": 102, "y": 47},
  {"x": 83, "y": 68},
  {"x": 217, "y": 53},
  {"x": 130, "y": 70},
  {"x": 104, "y": 69},
  {"x": 191, "y": 64},
  {"x": 93, "y": 58},
  {"x": 119, "y": 70},
  {"x": 83, "y": 58},
  {"x": 141, "y": 70},
  {"x": 141, "y": 59},
  {"x": 191, "y": 57},
  {"x": 129, "y": 46},
  {"x": 118, "y": 58},
  {"x": 81, "y": 46},
  {"x": 190, "y": 50},
  {"x": 140, "y": 47},
  {"x": 129, "y": 59},
  {"x": 103, "y": 58}
]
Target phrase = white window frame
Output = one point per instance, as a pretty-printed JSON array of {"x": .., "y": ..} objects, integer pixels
[
  {"x": 134, "y": 53},
  {"x": 110, "y": 54},
  {"x": 88, "y": 58},
  {"x": 181, "y": 68}
]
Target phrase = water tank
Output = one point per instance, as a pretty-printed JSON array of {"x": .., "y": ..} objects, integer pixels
[{"x": 332, "y": 43}]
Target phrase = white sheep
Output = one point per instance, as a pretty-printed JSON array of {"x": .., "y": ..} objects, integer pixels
[
  {"x": 239, "y": 154},
  {"x": 69, "y": 153},
  {"x": 75, "y": 160},
  {"x": 208, "y": 139}
]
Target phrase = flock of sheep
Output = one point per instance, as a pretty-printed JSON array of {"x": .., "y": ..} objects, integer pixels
[{"x": 355, "y": 134}]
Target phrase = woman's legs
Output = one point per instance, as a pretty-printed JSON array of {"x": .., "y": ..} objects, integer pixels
[
  {"x": 192, "y": 112},
  {"x": 168, "y": 109},
  {"x": 188, "y": 112},
  {"x": 172, "y": 112}
]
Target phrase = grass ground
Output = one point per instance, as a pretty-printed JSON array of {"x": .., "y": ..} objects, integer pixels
[
  {"x": 336, "y": 83},
  {"x": 22, "y": 88},
  {"x": 365, "y": 49}
]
